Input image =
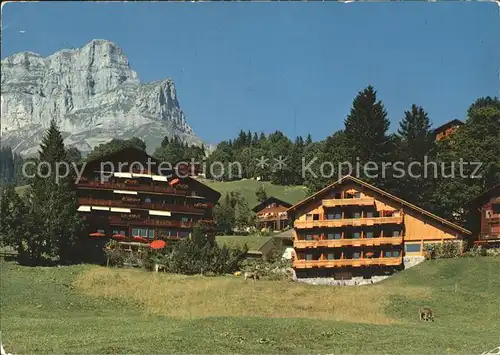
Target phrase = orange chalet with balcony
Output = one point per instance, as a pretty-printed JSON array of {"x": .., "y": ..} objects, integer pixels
[
  {"x": 271, "y": 214},
  {"x": 351, "y": 228},
  {"x": 446, "y": 129}
]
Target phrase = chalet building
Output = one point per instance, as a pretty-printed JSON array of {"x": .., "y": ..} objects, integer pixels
[
  {"x": 352, "y": 228},
  {"x": 272, "y": 214},
  {"x": 125, "y": 202},
  {"x": 486, "y": 210},
  {"x": 446, "y": 129}
]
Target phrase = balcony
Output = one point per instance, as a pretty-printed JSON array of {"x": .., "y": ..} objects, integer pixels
[
  {"x": 305, "y": 264},
  {"x": 117, "y": 220},
  {"x": 355, "y": 222},
  {"x": 142, "y": 205},
  {"x": 493, "y": 220},
  {"x": 130, "y": 187},
  {"x": 363, "y": 201},
  {"x": 335, "y": 243}
]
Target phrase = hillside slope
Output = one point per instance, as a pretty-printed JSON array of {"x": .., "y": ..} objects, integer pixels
[
  {"x": 248, "y": 187},
  {"x": 89, "y": 309}
]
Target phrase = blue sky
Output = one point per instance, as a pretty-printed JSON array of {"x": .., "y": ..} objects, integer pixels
[{"x": 293, "y": 66}]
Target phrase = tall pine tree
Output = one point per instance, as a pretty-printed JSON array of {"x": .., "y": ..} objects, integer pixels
[
  {"x": 367, "y": 139},
  {"x": 416, "y": 142},
  {"x": 366, "y": 127},
  {"x": 53, "y": 204}
]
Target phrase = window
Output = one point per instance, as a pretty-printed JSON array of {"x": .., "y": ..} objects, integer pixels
[
  {"x": 330, "y": 236},
  {"x": 369, "y": 234},
  {"x": 309, "y": 217},
  {"x": 337, "y": 215},
  {"x": 356, "y": 235},
  {"x": 151, "y": 234},
  {"x": 357, "y": 195},
  {"x": 369, "y": 214},
  {"x": 355, "y": 255},
  {"x": 185, "y": 219},
  {"x": 395, "y": 233},
  {"x": 412, "y": 248},
  {"x": 309, "y": 256},
  {"x": 315, "y": 217},
  {"x": 147, "y": 199},
  {"x": 356, "y": 214},
  {"x": 308, "y": 237},
  {"x": 496, "y": 208},
  {"x": 391, "y": 253},
  {"x": 330, "y": 256}
]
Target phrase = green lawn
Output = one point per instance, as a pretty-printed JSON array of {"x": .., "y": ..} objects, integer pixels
[
  {"x": 254, "y": 242},
  {"x": 290, "y": 194},
  {"x": 95, "y": 310}
]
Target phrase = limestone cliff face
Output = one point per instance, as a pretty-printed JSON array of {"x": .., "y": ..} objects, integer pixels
[{"x": 92, "y": 93}]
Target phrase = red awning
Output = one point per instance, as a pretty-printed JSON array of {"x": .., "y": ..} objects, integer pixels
[
  {"x": 138, "y": 238},
  {"x": 158, "y": 244},
  {"x": 119, "y": 236}
]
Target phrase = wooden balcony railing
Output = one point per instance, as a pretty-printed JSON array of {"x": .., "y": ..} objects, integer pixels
[
  {"x": 363, "y": 201},
  {"x": 141, "y": 205},
  {"x": 335, "y": 243},
  {"x": 493, "y": 220},
  {"x": 332, "y": 223},
  {"x": 304, "y": 264},
  {"x": 270, "y": 218},
  {"x": 154, "y": 222},
  {"x": 131, "y": 187},
  {"x": 150, "y": 222}
]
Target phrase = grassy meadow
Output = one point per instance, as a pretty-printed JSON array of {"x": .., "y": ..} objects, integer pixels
[
  {"x": 91, "y": 309},
  {"x": 248, "y": 187}
]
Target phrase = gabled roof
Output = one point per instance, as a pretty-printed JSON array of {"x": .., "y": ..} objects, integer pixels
[
  {"x": 494, "y": 191},
  {"x": 135, "y": 154},
  {"x": 448, "y": 124},
  {"x": 268, "y": 201},
  {"x": 383, "y": 193}
]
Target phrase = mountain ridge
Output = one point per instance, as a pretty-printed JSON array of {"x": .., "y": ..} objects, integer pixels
[{"x": 94, "y": 95}]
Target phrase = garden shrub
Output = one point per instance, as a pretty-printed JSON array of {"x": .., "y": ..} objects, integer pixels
[{"x": 443, "y": 250}]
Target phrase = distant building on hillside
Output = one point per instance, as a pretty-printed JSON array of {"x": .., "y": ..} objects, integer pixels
[
  {"x": 141, "y": 205},
  {"x": 446, "y": 129},
  {"x": 351, "y": 228},
  {"x": 271, "y": 214},
  {"x": 486, "y": 210}
]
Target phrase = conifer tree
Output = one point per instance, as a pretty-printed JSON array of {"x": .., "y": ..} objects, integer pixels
[
  {"x": 416, "y": 142},
  {"x": 417, "y": 138},
  {"x": 366, "y": 128},
  {"x": 261, "y": 194},
  {"x": 53, "y": 204}
]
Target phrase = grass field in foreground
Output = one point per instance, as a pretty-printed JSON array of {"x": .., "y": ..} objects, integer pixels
[{"x": 90, "y": 309}]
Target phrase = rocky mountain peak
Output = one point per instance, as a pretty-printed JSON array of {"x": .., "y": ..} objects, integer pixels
[{"x": 93, "y": 94}]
